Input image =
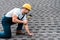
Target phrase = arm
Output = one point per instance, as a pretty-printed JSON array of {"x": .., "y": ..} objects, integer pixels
[
  {"x": 15, "y": 19},
  {"x": 26, "y": 28}
]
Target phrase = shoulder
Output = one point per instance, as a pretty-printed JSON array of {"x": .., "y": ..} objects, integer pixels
[{"x": 17, "y": 9}]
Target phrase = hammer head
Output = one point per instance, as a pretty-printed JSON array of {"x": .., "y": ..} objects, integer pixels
[{"x": 29, "y": 16}]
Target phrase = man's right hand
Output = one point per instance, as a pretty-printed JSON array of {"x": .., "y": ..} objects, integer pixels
[
  {"x": 30, "y": 34},
  {"x": 25, "y": 22}
]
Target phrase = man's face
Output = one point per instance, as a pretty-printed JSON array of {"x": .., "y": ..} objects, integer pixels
[{"x": 26, "y": 11}]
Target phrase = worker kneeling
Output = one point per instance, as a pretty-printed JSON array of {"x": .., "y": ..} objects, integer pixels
[{"x": 16, "y": 15}]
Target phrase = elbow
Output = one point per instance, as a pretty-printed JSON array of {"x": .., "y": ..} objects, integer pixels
[
  {"x": 14, "y": 20},
  {"x": 26, "y": 22}
]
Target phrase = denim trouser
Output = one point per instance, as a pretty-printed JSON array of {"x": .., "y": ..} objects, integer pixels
[{"x": 6, "y": 23}]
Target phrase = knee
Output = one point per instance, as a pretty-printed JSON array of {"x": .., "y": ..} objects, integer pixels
[{"x": 8, "y": 35}]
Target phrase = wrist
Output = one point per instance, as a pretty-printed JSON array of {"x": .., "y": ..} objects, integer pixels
[
  {"x": 22, "y": 21},
  {"x": 28, "y": 32}
]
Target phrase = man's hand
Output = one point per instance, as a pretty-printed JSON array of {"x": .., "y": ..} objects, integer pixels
[
  {"x": 27, "y": 29},
  {"x": 30, "y": 34}
]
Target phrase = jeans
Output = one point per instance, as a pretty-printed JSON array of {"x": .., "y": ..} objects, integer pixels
[{"x": 6, "y": 23}]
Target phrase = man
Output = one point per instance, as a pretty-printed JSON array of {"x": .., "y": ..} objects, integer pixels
[{"x": 16, "y": 15}]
